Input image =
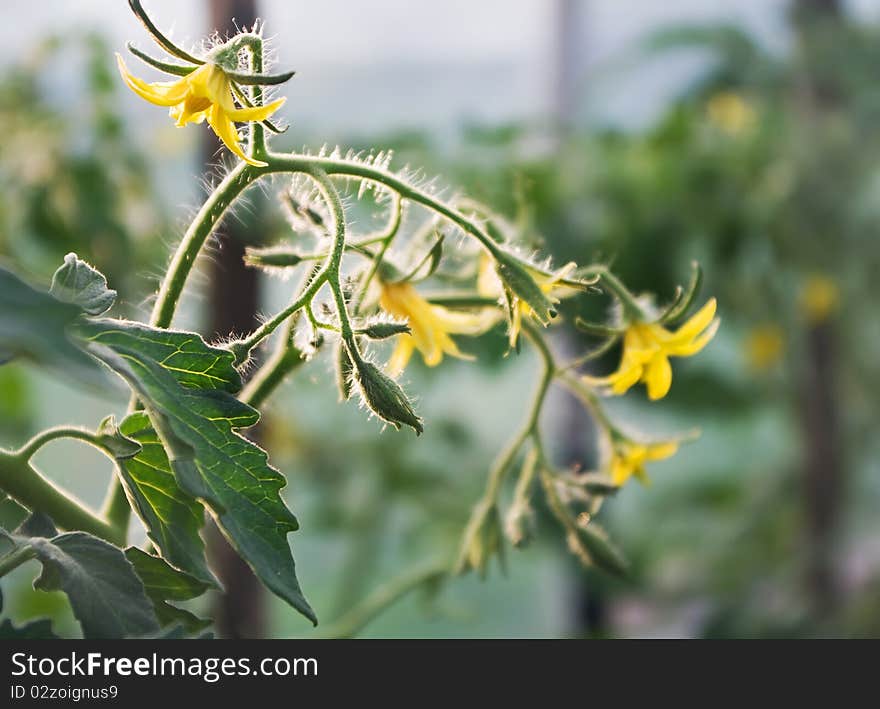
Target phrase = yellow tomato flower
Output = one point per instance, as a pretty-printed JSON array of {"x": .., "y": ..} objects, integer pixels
[
  {"x": 489, "y": 286},
  {"x": 205, "y": 94},
  {"x": 764, "y": 346},
  {"x": 647, "y": 348},
  {"x": 431, "y": 326},
  {"x": 730, "y": 112},
  {"x": 629, "y": 458},
  {"x": 819, "y": 298}
]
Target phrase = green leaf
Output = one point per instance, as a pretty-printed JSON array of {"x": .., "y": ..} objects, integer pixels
[
  {"x": 34, "y": 326},
  {"x": 105, "y": 594},
  {"x": 173, "y": 518},
  {"x": 78, "y": 283},
  {"x": 185, "y": 355},
  {"x": 164, "y": 583},
  {"x": 198, "y": 428}
]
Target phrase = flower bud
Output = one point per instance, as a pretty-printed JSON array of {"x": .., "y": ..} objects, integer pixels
[
  {"x": 517, "y": 279},
  {"x": 519, "y": 526},
  {"x": 272, "y": 258},
  {"x": 343, "y": 372},
  {"x": 383, "y": 329},
  {"x": 384, "y": 397},
  {"x": 482, "y": 540},
  {"x": 590, "y": 543}
]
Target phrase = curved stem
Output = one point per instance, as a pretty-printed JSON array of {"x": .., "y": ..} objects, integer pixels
[
  {"x": 529, "y": 429},
  {"x": 53, "y": 434},
  {"x": 23, "y": 483},
  {"x": 207, "y": 219},
  {"x": 286, "y": 358},
  {"x": 350, "y": 168},
  {"x": 530, "y": 425},
  {"x": 385, "y": 239},
  {"x": 358, "y": 617},
  {"x": 615, "y": 285}
]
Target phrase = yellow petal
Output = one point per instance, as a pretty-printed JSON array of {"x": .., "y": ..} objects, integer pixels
[
  {"x": 488, "y": 283},
  {"x": 401, "y": 356},
  {"x": 255, "y": 113},
  {"x": 515, "y": 325},
  {"x": 691, "y": 348},
  {"x": 620, "y": 471},
  {"x": 658, "y": 377},
  {"x": 161, "y": 94},
  {"x": 660, "y": 451},
  {"x": 463, "y": 323},
  {"x": 225, "y": 130},
  {"x": 698, "y": 322}
]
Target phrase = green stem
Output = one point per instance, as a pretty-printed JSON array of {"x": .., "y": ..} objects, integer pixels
[
  {"x": 207, "y": 219},
  {"x": 530, "y": 426},
  {"x": 356, "y": 619},
  {"x": 349, "y": 168},
  {"x": 286, "y": 358},
  {"x": 630, "y": 305},
  {"x": 588, "y": 398},
  {"x": 386, "y": 239},
  {"x": 53, "y": 434},
  {"x": 23, "y": 483},
  {"x": 14, "y": 559},
  {"x": 254, "y": 43},
  {"x": 529, "y": 429}
]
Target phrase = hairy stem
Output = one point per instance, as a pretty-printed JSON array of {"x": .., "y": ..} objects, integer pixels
[
  {"x": 286, "y": 358},
  {"x": 207, "y": 219},
  {"x": 53, "y": 434}
]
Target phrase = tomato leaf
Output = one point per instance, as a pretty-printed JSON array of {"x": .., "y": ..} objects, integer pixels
[
  {"x": 164, "y": 583},
  {"x": 198, "y": 428},
  {"x": 78, "y": 283},
  {"x": 106, "y": 595}
]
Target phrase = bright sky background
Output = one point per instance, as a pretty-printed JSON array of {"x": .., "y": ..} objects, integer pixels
[{"x": 432, "y": 63}]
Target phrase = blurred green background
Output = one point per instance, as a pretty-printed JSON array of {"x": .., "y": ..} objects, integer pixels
[{"x": 744, "y": 137}]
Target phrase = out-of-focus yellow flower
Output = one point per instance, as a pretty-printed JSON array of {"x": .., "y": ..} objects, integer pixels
[
  {"x": 647, "y": 348},
  {"x": 764, "y": 346},
  {"x": 819, "y": 298},
  {"x": 489, "y": 286},
  {"x": 205, "y": 94},
  {"x": 730, "y": 112},
  {"x": 431, "y": 326},
  {"x": 629, "y": 458}
]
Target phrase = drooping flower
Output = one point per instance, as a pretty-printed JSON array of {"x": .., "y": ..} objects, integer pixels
[
  {"x": 431, "y": 326},
  {"x": 489, "y": 285},
  {"x": 647, "y": 348},
  {"x": 628, "y": 459},
  {"x": 205, "y": 94}
]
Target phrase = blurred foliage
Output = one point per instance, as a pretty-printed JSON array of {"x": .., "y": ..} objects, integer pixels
[{"x": 71, "y": 177}]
